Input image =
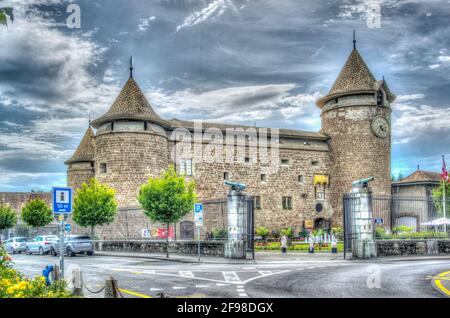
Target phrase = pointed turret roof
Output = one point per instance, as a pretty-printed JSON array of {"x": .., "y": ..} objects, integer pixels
[
  {"x": 355, "y": 77},
  {"x": 130, "y": 104},
  {"x": 86, "y": 149}
]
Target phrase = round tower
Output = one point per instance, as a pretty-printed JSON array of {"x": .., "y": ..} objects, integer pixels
[
  {"x": 131, "y": 144},
  {"x": 80, "y": 167},
  {"x": 356, "y": 115}
]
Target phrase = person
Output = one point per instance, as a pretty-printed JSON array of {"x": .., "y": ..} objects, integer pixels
[{"x": 283, "y": 244}]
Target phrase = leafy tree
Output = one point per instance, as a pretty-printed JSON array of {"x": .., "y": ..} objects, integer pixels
[
  {"x": 6, "y": 12},
  {"x": 167, "y": 199},
  {"x": 8, "y": 218},
  {"x": 36, "y": 213},
  {"x": 438, "y": 194},
  {"x": 94, "y": 204}
]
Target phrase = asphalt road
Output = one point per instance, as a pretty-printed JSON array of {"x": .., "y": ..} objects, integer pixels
[{"x": 339, "y": 278}]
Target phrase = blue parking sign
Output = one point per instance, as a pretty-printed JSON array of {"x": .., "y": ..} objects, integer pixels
[
  {"x": 68, "y": 227},
  {"x": 62, "y": 200},
  {"x": 198, "y": 208}
]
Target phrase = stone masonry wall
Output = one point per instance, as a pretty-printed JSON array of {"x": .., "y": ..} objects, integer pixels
[
  {"x": 412, "y": 247},
  {"x": 131, "y": 159},
  {"x": 355, "y": 152}
]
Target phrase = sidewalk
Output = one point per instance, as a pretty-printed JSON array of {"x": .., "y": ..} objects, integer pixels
[{"x": 260, "y": 257}]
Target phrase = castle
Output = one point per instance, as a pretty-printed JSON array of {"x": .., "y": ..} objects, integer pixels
[{"x": 313, "y": 169}]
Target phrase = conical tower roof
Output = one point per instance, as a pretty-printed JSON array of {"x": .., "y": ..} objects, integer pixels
[
  {"x": 130, "y": 104},
  {"x": 86, "y": 149},
  {"x": 355, "y": 77}
]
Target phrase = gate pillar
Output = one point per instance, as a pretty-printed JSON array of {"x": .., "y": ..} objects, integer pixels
[
  {"x": 235, "y": 247},
  {"x": 365, "y": 246}
]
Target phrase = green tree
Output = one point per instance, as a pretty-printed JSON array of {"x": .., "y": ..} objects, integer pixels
[
  {"x": 262, "y": 231},
  {"x": 8, "y": 218},
  {"x": 167, "y": 199},
  {"x": 438, "y": 194},
  {"x": 36, "y": 213},
  {"x": 6, "y": 12},
  {"x": 94, "y": 204}
]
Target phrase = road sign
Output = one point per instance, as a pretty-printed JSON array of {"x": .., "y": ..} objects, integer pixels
[
  {"x": 378, "y": 221},
  {"x": 198, "y": 208},
  {"x": 68, "y": 227},
  {"x": 198, "y": 214},
  {"x": 62, "y": 200}
]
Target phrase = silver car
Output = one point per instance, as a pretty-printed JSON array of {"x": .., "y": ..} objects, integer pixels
[
  {"x": 15, "y": 245},
  {"x": 74, "y": 244},
  {"x": 41, "y": 244}
]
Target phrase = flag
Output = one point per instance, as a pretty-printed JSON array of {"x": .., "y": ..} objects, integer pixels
[{"x": 444, "y": 174}]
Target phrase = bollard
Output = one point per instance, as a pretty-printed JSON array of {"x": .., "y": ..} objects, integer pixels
[
  {"x": 334, "y": 249},
  {"x": 111, "y": 288},
  {"x": 55, "y": 273},
  {"x": 46, "y": 273},
  {"x": 77, "y": 279},
  {"x": 311, "y": 246}
]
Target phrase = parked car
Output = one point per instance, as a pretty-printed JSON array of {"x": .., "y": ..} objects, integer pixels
[
  {"x": 15, "y": 245},
  {"x": 74, "y": 244},
  {"x": 41, "y": 244}
]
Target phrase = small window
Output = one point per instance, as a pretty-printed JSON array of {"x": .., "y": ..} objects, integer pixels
[
  {"x": 247, "y": 160},
  {"x": 287, "y": 203},
  {"x": 185, "y": 167},
  {"x": 263, "y": 177},
  {"x": 145, "y": 126},
  {"x": 284, "y": 161},
  {"x": 258, "y": 203},
  {"x": 103, "y": 168},
  {"x": 336, "y": 100},
  {"x": 315, "y": 163},
  {"x": 112, "y": 126},
  {"x": 92, "y": 164},
  {"x": 301, "y": 178},
  {"x": 226, "y": 176}
]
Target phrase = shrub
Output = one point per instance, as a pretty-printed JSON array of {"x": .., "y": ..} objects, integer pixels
[
  {"x": 338, "y": 232},
  {"x": 402, "y": 229},
  {"x": 288, "y": 232},
  {"x": 303, "y": 234},
  {"x": 14, "y": 285},
  {"x": 275, "y": 234},
  {"x": 262, "y": 231},
  {"x": 219, "y": 234}
]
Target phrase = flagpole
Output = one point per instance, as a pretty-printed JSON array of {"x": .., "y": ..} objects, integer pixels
[{"x": 444, "y": 201}]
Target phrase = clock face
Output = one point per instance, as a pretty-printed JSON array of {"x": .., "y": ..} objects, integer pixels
[{"x": 380, "y": 127}]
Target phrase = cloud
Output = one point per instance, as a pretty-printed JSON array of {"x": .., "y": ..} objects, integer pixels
[
  {"x": 144, "y": 23},
  {"x": 213, "y": 10},
  {"x": 263, "y": 104}
]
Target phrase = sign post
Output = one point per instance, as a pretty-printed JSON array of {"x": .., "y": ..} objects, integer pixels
[
  {"x": 198, "y": 218},
  {"x": 62, "y": 204}
]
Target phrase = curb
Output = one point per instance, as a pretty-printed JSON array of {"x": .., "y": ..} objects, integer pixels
[
  {"x": 173, "y": 259},
  {"x": 405, "y": 259}
]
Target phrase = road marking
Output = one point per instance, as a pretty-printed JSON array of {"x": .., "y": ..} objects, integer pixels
[
  {"x": 177, "y": 287},
  {"x": 156, "y": 289},
  {"x": 231, "y": 277},
  {"x": 248, "y": 267},
  {"x": 257, "y": 277},
  {"x": 219, "y": 284},
  {"x": 201, "y": 286},
  {"x": 243, "y": 295},
  {"x": 137, "y": 273},
  {"x": 265, "y": 272},
  {"x": 186, "y": 273},
  {"x": 134, "y": 293},
  {"x": 439, "y": 285},
  {"x": 240, "y": 290}
]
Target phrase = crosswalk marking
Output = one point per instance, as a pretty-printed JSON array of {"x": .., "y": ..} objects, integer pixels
[
  {"x": 231, "y": 277},
  {"x": 243, "y": 295},
  {"x": 186, "y": 273}
]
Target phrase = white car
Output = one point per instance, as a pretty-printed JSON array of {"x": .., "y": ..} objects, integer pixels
[
  {"x": 41, "y": 244},
  {"x": 16, "y": 245}
]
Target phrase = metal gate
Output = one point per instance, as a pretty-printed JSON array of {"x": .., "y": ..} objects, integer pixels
[{"x": 392, "y": 211}]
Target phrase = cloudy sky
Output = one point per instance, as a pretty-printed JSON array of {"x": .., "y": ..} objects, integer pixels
[{"x": 235, "y": 61}]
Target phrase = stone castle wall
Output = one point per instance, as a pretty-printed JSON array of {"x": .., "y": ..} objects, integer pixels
[
  {"x": 355, "y": 152},
  {"x": 131, "y": 158},
  {"x": 79, "y": 173}
]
